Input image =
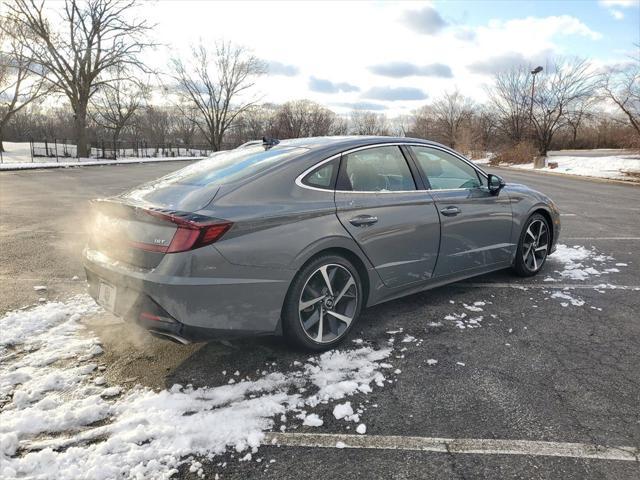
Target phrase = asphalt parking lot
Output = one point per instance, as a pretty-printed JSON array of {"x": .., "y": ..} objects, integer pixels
[{"x": 530, "y": 370}]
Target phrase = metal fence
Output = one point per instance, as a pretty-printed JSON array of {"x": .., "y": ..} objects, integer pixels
[{"x": 63, "y": 150}]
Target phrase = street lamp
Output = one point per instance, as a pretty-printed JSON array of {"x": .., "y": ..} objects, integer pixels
[
  {"x": 538, "y": 162},
  {"x": 534, "y": 72}
]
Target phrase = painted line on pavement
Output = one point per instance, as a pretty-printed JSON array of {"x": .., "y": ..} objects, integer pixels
[
  {"x": 600, "y": 238},
  {"x": 548, "y": 285},
  {"x": 454, "y": 445}
]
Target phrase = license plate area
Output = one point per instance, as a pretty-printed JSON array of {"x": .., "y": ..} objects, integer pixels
[{"x": 107, "y": 296}]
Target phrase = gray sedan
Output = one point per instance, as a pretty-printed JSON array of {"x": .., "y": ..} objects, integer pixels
[{"x": 296, "y": 237}]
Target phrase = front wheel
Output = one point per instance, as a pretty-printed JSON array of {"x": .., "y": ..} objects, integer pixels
[
  {"x": 323, "y": 303},
  {"x": 533, "y": 247}
]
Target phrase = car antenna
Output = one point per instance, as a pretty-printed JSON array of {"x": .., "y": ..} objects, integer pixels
[{"x": 268, "y": 142}]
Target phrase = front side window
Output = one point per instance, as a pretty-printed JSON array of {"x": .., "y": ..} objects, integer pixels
[
  {"x": 444, "y": 170},
  {"x": 376, "y": 169}
]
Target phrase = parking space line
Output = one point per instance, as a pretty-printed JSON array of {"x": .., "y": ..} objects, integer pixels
[
  {"x": 548, "y": 285},
  {"x": 453, "y": 445},
  {"x": 600, "y": 238}
]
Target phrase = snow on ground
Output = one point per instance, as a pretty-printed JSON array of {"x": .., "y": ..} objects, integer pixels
[
  {"x": 579, "y": 263},
  {"x": 483, "y": 160},
  {"x": 17, "y": 156},
  {"x": 59, "y": 419},
  {"x": 91, "y": 162},
  {"x": 576, "y": 263},
  {"x": 619, "y": 167}
]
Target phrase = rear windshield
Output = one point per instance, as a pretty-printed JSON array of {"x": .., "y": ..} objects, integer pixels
[{"x": 231, "y": 166}]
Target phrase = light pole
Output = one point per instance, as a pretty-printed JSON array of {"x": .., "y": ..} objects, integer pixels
[
  {"x": 534, "y": 72},
  {"x": 538, "y": 162}
]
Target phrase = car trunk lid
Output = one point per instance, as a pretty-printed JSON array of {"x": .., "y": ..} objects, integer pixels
[{"x": 141, "y": 235}]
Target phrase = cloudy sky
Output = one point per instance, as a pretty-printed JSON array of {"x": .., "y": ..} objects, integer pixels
[{"x": 392, "y": 56}]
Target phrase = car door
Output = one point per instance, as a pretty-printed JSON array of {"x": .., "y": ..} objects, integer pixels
[
  {"x": 475, "y": 224},
  {"x": 395, "y": 223}
]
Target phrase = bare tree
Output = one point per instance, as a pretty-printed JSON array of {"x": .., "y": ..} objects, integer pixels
[
  {"x": 579, "y": 112},
  {"x": 363, "y": 122},
  {"x": 184, "y": 125},
  {"x": 510, "y": 99},
  {"x": 255, "y": 122},
  {"x": 451, "y": 111},
  {"x": 569, "y": 83},
  {"x": 484, "y": 126},
  {"x": 75, "y": 53},
  {"x": 19, "y": 85},
  {"x": 622, "y": 87},
  {"x": 303, "y": 118},
  {"x": 423, "y": 123},
  {"x": 217, "y": 83},
  {"x": 340, "y": 125},
  {"x": 155, "y": 124},
  {"x": 400, "y": 126},
  {"x": 115, "y": 104}
]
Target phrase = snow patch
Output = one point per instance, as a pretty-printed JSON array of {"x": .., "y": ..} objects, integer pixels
[
  {"x": 52, "y": 404},
  {"x": 579, "y": 263},
  {"x": 342, "y": 410}
]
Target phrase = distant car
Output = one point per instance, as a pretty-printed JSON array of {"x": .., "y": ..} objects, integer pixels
[
  {"x": 250, "y": 143},
  {"x": 297, "y": 238}
]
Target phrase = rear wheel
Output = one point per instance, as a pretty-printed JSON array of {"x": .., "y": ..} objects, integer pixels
[
  {"x": 533, "y": 247},
  {"x": 323, "y": 303}
]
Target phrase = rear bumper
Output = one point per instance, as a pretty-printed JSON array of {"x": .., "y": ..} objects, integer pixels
[{"x": 238, "y": 301}]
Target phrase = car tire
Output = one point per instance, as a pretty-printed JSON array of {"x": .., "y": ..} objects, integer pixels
[
  {"x": 533, "y": 246},
  {"x": 315, "y": 312}
]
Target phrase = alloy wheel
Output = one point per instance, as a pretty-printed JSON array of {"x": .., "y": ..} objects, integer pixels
[
  {"x": 535, "y": 245},
  {"x": 328, "y": 303}
]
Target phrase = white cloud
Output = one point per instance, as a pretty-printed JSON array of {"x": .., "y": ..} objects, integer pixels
[
  {"x": 617, "y": 14},
  {"x": 620, "y": 3},
  {"x": 321, "y": 40}
]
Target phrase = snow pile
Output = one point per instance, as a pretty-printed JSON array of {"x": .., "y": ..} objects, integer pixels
[
  {"x": 620, "y": 167},
  {"x": 578, "y": 263},
  {"x": 51, "y": 405}
]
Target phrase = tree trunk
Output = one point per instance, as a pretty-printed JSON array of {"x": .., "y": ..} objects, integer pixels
[
  {"x": 2, "y": 125},
  {"x": 80, "y": 130}
]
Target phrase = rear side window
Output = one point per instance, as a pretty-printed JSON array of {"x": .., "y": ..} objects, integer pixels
[
  {"x": 323, "y": 176},
  {"x": 376, "y": 169},
  {"x": 445, "y": 171}
]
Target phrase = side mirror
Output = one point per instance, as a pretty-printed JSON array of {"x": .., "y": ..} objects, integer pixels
[{"x": 495, "y": 183}]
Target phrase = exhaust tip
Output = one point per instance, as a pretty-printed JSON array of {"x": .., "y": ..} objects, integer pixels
[{"x": 169, "y": 336}]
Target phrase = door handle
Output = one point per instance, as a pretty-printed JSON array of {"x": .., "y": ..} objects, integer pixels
[
  {"x": 363, "y": 220},
  {"x": 450, "y": 211}
]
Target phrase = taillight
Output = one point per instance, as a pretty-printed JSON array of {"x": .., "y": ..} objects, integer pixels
[
  {"x": 196, "y": 236},
  {"x": 189, "y": 235}
]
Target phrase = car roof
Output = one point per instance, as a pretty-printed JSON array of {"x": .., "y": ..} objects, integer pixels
[{"x": 346, "y": 142}]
